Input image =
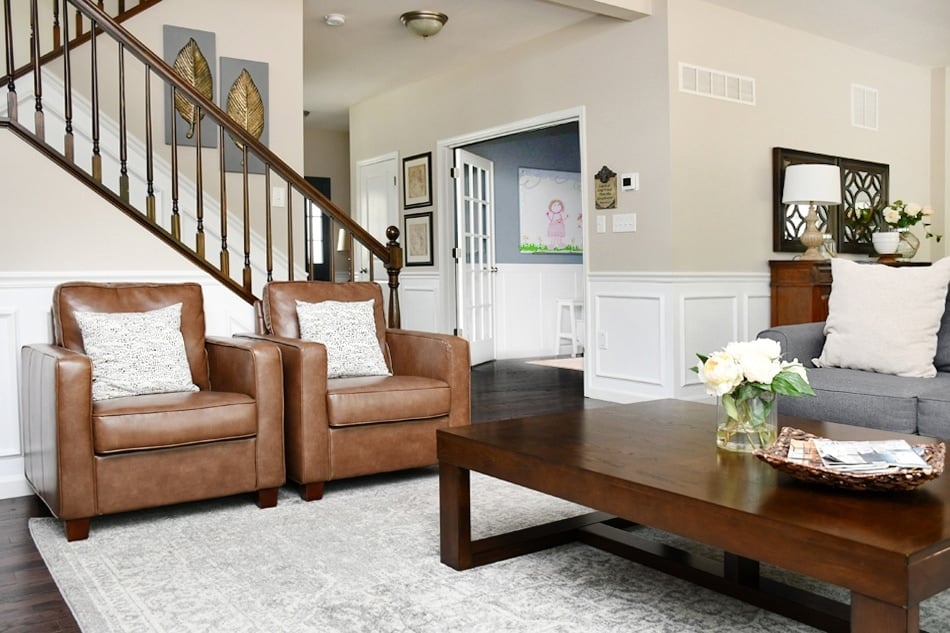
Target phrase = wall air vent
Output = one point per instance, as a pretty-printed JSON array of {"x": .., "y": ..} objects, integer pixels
[
  {"x": 716, "y": 84},
  {"x": 863, "y": 107}
]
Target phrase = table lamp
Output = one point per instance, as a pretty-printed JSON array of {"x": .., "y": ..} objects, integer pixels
[{"x": 812, "y": 185}]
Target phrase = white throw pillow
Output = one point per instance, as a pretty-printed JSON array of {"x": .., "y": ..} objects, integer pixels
[
  {"x": 135, "y": 353},
  {"x": 348, "y": 330},
  {"x": 884, "y": 319}
]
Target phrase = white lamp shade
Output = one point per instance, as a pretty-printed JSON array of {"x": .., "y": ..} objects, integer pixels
[{"x": 804, "y": 184}]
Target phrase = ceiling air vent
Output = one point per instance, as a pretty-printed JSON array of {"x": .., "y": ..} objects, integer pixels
[
  {"x": 863, "y": 107},
  {"x": 717, "y": 84}
]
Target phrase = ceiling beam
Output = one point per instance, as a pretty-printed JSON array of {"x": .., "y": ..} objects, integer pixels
[{"x": 621, "y": 9}]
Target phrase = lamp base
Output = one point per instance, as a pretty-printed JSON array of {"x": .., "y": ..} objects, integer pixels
[{"x": 812, "y": 238}]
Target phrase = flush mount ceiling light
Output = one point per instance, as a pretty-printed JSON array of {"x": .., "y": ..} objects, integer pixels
[
  {"x": 335, "y": 19},
  {"x": 424, "y": 23}
]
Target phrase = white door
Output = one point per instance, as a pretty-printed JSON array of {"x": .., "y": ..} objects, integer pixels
[
  {"x": 475, "y": 257},
  {"x": 377, "y": 208}
]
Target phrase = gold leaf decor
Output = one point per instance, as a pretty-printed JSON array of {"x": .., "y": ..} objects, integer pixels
[
  {"x": 193, "y": 68},
  {"x": 246, "y": 106}
]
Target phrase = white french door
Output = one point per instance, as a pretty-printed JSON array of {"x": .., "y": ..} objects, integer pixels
[{"x": 475, "y": 255}]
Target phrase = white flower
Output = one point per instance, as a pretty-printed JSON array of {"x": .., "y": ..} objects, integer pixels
[
  {"x": 912, "y": 208},
  {"x": 892, "y": 216},
  {"x": 758, "y": 359},
  {"x": 796, "y": 368},
  {"x": 720, "y": 373},
  {"x": 927, "y": 211}
]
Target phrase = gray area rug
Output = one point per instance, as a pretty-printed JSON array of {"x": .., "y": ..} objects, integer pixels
[{"x": 366, "y": 558}]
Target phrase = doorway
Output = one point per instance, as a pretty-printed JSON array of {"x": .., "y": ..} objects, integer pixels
[{"x": 524, "y": 286}]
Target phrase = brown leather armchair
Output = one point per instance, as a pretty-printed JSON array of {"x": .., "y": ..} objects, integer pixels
[
  {"x": 344, "y": 427},
  {"x": 86, "y": 457}
]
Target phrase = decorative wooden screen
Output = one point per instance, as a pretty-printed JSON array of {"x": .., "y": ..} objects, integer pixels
[{"x": 863, "y": 184}]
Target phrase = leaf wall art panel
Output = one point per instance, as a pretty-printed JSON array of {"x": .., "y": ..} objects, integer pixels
[
  {"x": 191, "y": 53},
  {"x": 244, "y": 96}
]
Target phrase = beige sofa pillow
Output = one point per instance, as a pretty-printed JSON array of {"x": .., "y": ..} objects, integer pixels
[{"x": 884, "y": 319}]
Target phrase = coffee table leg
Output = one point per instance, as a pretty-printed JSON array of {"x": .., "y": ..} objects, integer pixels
[
  {"x": 742, "y": 571},
  {"x": 455, "y": 516},
  {"x": 869, "y": 615}
]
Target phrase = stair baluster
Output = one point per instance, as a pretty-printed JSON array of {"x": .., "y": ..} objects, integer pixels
[
  {"x": 69, "y": 141},
  {"x": 38, "y": 119},
  {"x": 8, "y": 42}
]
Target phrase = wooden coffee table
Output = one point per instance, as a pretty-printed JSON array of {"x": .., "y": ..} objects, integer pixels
[{"x": 656, "y": 464}]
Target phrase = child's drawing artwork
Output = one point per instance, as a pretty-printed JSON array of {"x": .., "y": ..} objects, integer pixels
[{"x": 550, "y": 205}]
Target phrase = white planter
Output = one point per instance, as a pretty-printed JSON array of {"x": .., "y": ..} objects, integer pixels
[{"x": 885, "y": 242}]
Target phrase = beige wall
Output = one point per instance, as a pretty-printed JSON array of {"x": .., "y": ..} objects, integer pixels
[
  {"x": 327, "y": 154},
  {"x": 55, "y": 223},
  {"x": 615, "y": 70},
  {"x": 721, "y": 167}
]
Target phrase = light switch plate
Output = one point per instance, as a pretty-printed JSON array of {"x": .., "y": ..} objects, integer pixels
[
  {"x": 278, "y": 197},
  {"x": 601, "y": 223},
  {"x": 624, "y": 223}
]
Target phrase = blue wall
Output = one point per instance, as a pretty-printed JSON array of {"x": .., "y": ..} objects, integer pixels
[{"x": 556, "y": 148}]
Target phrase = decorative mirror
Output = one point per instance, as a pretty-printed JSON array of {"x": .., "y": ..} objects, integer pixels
[{"x": 863, "y": 188}]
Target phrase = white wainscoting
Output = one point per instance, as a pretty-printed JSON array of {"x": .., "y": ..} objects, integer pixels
[
  {"x": 644, "y": 330},
  {"x": 25, "y": 303},
  {"x": 526, "y": 298},
  {"x": 420, "y": 300}
]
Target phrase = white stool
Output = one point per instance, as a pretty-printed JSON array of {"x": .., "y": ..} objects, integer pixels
[{"x": 575, "y": 311}]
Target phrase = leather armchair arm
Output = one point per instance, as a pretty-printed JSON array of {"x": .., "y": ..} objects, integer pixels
[
  {"x": 56, "y": 427},
  {"x": 439, "y": 356},
  {"x": 254, "y": 368},
  {"x": 306, "y": 425}
]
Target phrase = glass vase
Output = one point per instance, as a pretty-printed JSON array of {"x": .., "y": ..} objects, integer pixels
[
  {"x": 753, "y": 425},
  {"x": 908, "y": 244}
]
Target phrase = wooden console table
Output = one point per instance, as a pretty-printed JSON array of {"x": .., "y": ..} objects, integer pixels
[{"x": 800, "y": 289}]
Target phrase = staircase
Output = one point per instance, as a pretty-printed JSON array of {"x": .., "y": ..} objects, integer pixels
[{"x": 157, "y": 166}]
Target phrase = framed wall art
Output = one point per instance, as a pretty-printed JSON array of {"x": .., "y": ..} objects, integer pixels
[
  {"x": 417, "y": 181},
  {"x": 417, "y": 230},
  {"x": 245, "y": 97},
  {"x": 549, "y": 204},
  {"x": 192, "y": 54}
]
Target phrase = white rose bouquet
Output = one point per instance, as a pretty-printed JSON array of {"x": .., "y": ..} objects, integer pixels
[
  {"x": 900, "y": 215},
  {"x": 747, "y": 375}
]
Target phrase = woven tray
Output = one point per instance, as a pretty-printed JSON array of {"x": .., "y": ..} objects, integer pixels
[{"x": 898, "y": 479}]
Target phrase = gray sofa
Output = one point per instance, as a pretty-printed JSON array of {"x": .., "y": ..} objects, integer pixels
[{"x": 863, "y": 398}]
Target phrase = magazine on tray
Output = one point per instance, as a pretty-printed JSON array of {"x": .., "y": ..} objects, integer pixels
[{"x": 868, "y": 456}]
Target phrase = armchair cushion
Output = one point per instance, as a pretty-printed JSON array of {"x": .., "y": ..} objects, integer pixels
[
  {"x": 348, "y": 330},
  {"x": 369, "y": 400},
  {"x": 171, "y": 419},
  {"x": 135, "y": 353}
]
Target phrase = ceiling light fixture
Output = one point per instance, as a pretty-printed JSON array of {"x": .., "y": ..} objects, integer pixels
[
  {"x": 335, "y": 19},
  {"x": 424, "y": 23}
]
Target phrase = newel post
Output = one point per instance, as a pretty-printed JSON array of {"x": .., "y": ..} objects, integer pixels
[{"x": 393, "y": 266}]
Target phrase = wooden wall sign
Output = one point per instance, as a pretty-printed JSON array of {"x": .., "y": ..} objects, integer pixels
[{"x": 605, "y": 189}]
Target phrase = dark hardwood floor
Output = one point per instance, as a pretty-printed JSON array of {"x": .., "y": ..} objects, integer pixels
[{"x": 31, "y": 603}]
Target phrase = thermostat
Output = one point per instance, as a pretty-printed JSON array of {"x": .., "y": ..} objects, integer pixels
[{"x": 630, "y": 182}]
